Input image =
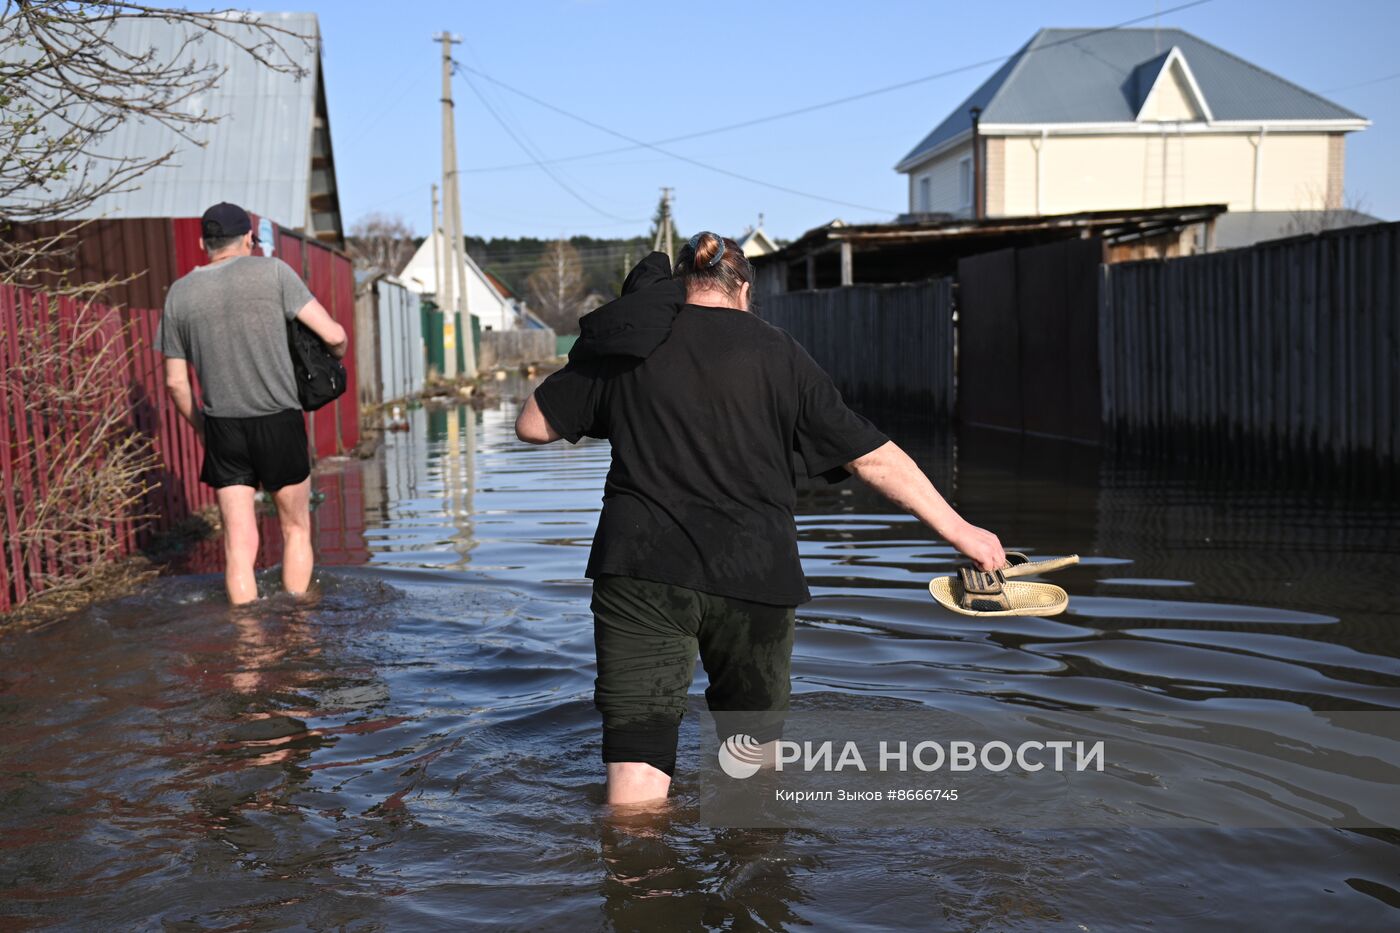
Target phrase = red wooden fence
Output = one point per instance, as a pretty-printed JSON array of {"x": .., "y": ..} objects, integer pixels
[{"x": 31, "y": 439}]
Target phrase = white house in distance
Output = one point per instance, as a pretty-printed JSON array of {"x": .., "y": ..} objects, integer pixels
[
  {"x": 1132, "y": 118},
  {"x": 495, "y": 309},
  {"x": 755, "y": 241}
]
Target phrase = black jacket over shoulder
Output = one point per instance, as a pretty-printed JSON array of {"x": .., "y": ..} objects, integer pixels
[
  {"x": 637, "y": 323},
  {"x": 711, "y": 413}
]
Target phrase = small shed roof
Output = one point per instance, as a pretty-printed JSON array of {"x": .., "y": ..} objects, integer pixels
[
  {"x": 1111, "y": 225},
  {"x": 1103, "y": 76}
]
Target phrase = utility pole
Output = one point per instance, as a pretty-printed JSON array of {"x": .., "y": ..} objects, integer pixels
[
  {"x": 667, "y": 223},
  {"x": 455, "y": 256},
  {"x": 435, "y": 234},
  {"x": 663, "y": 226}
]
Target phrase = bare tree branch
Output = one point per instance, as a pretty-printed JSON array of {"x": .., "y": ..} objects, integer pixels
[
  {"x": 556, "y": 288},
  {"x": 380, "y": 243}
]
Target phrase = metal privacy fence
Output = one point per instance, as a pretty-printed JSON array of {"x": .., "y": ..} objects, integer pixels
[
  {"x": 41, "y": 433},
  {"x": 885, "y": 346},
  {"x": 1028, "y": 349},
  {"x": 46, "y": 427},
  {"x": 393, "y": 365},
  {"x": 513, "y": 347},
  {"x": 1289, "y": 348}
]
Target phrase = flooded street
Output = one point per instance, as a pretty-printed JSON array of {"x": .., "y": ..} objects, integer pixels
[{"x": 417, "y": 749}]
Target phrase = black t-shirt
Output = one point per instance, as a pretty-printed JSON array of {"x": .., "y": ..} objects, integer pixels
[{"x": 705, "y": 433}]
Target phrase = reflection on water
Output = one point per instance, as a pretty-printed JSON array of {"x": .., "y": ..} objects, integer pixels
[{"x": 416, "y": 748}]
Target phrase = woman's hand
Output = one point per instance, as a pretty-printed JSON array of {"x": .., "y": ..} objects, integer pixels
[{"x": 979, "y": 545}]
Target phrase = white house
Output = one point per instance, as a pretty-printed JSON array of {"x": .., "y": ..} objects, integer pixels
[
  {"x": 755, "y": 241},
  {"x": 1128, "y": 119},
  {"x": 495, "y": 309}
]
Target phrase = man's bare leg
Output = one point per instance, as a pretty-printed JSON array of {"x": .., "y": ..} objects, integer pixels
[
  {"x": 294, "y": 515},
  {"x": 240, "y": 542},
  {"x": 636, "y": 782}
]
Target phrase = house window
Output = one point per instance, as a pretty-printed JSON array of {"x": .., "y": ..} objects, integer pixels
[
  {"x": 965, "y": 181},
  {"x": 925, "y": 195}
]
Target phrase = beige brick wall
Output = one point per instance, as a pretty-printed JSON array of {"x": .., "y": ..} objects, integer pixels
[
  {"x": 995, "y": 167},
  {"x": 1336, "y": 170}
]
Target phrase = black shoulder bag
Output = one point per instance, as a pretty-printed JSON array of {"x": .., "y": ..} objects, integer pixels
[{"x": 320, "y": 376}]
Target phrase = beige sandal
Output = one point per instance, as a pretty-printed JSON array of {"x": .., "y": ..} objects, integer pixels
[{"x": 976, "y": 592}]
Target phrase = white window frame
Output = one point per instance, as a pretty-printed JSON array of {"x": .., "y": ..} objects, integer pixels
[{"x": 924, "y": 203}]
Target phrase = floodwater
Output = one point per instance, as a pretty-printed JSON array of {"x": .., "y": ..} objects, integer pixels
[{"x": 417, "y": 749}]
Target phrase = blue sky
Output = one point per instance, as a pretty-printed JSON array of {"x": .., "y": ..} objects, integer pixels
[{"x": 656, "y": 70}]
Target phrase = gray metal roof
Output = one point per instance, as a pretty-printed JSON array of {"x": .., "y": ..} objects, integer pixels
[
  {"x": 258, "y": 155},
  {"x": 1245, "y": 228},
  {"x": 1088, "y": 76}
]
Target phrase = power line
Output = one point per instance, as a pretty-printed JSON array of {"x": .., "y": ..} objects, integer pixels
[
  {"x": 506, "y": 115},
  {"x": 543, "y": 166},
  {"x": 810, "y": 108},
  {"x": 637, "y": 143},
  {"x": 416, "y": 189},
  {"x": 405, "y": 85},
  {"x": 1348, "y": 87}
]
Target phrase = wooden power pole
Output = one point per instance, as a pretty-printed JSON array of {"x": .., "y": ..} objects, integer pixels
[
  {"x": 455, "y": 255},
  {"x": 663, "y": 228},
  {"x": 435, "y": 235}
]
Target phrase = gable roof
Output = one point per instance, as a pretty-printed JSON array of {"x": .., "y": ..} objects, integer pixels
[
  {"x": 418, "y": 273},
  {"x": 1150, "y": 77},
  {"x": 755, "y": 241},
  {"x": 259, "y": 153},
  {"x": 1104, "y": 76}
]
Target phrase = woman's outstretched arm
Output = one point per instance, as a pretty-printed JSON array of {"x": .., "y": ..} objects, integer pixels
[{"x": 895, "y": 475}]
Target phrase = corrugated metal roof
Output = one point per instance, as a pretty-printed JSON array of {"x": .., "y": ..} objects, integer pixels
[
  {"x": 258, "y": 155},
  {"x": 1084, "y": 76}
]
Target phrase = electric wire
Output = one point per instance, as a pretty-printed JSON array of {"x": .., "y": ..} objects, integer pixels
[
  {"x": 1348, "y": 87},
  {"x": 810, "y": 108},
  {"x": 637, "y": 143},
  {"x": 461, "y": 69}
]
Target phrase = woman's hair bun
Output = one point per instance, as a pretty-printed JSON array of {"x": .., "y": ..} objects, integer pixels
[{"x": 709, "y": 250}]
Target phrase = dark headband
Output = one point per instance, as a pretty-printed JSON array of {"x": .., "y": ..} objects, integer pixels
[{"x": 695, "y": 247}]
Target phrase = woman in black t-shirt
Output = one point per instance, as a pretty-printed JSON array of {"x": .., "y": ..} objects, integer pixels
[{"x": 709, "y": 411}]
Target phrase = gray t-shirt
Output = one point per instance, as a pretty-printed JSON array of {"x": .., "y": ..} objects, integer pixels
[{"x": 229, "y": 320}]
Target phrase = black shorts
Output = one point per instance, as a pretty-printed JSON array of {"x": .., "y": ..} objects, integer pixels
[{"x": 267, "y": 451}]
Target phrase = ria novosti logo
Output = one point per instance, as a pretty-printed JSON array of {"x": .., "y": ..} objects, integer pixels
[{"x": 740, "y": 756}]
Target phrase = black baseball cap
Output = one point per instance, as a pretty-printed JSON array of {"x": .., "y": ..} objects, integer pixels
[{"x": 223, "y": 220}]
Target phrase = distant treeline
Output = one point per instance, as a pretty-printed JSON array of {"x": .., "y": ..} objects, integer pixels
[{"x": 605, "y": 262}]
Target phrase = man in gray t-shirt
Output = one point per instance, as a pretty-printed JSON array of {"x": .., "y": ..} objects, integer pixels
[{"x": 228, "y": 320}]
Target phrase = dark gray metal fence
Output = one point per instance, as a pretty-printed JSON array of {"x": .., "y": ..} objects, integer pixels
[
  {"x": 885, "y": 346},
  {"x": 1291, "y": 347},
  {"x": 1028, "y": 349}
]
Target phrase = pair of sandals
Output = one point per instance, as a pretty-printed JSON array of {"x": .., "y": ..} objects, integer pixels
[{"x": 976, "y": 592}]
